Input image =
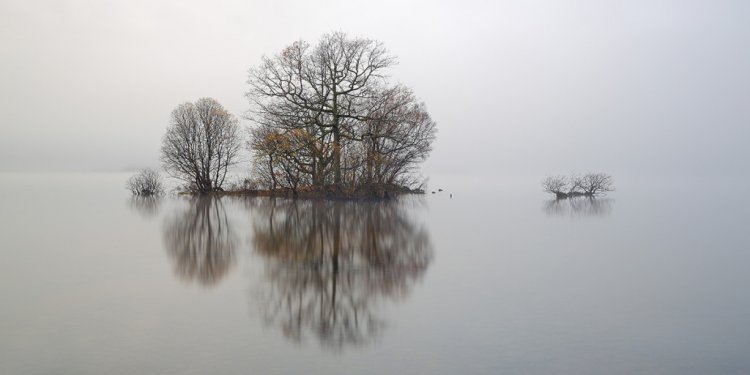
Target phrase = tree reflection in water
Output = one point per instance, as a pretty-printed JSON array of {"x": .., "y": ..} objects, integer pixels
[
  {"x": 201, "y": 242},
  {"x": 583, "y": 206},
  {"x": 329, "y": 263},
  {"x": 147, "y": 206}
]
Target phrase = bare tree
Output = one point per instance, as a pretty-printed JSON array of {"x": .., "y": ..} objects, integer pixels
[
  {"x": 200, "y": 145},
  {"x": 342, "y": 123},
  {"x": 147, "y": 182},
  {"x": 593, "y": 184},
  {"x": 557, "y": 185},
  {"x": 589, "y": 185},
  {"x": 281, "y": 156},
  {"x": 397, "y": 136}
]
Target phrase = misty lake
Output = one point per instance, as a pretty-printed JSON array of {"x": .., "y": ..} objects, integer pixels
[{"x": 498, "y": 279}]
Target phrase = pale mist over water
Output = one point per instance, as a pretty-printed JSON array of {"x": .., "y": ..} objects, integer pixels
[{"x": 496, "y": 279}]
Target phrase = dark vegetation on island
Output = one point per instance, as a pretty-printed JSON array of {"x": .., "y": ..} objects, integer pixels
[
  {"x": 589, "y": 185},
  {"x": 330, "y": 191},
  {"x": 326, "y": 123},
  {"x": 146, "y": 183}
]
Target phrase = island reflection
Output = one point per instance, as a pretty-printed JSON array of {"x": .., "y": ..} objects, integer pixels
[
  {"x": 147, "y": 206},
  {"x": 201, "y": 241},
  {"x": 581, "y": 206},
  {"x": 329, "y": 264}
]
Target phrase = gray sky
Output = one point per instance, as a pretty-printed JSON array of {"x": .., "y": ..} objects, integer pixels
[{"x": 516, "y": 87}]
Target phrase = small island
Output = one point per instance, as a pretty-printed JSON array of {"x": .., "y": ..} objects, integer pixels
[
  {"x": 326, "y": 124},
  {"x": 589, "y": 185}
]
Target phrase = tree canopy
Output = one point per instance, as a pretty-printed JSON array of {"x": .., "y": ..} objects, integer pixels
[
  {"x": 326, "y": 114},
  {"x": 201, "y": 143}
]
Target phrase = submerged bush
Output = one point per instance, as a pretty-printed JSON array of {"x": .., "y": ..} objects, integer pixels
[
  {"x": 589, "y": 185},
  {"x": 145, "y": 183}
]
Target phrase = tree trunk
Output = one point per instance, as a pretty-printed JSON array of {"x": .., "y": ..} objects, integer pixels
[
  {"x": 336, "y": 154},
  {"x": 273, "y": 175},
  {"x": 336, "y": 141},
  {"x": 368, "y": 169}
]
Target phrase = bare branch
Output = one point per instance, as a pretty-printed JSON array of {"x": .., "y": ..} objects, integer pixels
[{"x": 147, "y": 182}]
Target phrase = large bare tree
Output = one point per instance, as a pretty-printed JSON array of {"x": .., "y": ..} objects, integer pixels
[
  {"x": 201, "y": 143},
  {"x": 332, "y": 105}
]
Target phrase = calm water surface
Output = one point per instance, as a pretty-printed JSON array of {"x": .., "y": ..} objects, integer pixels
[{"x": 652, "y": 280}]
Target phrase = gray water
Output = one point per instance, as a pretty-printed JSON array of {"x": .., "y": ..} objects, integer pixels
[{"x": 498, "y": 279}]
